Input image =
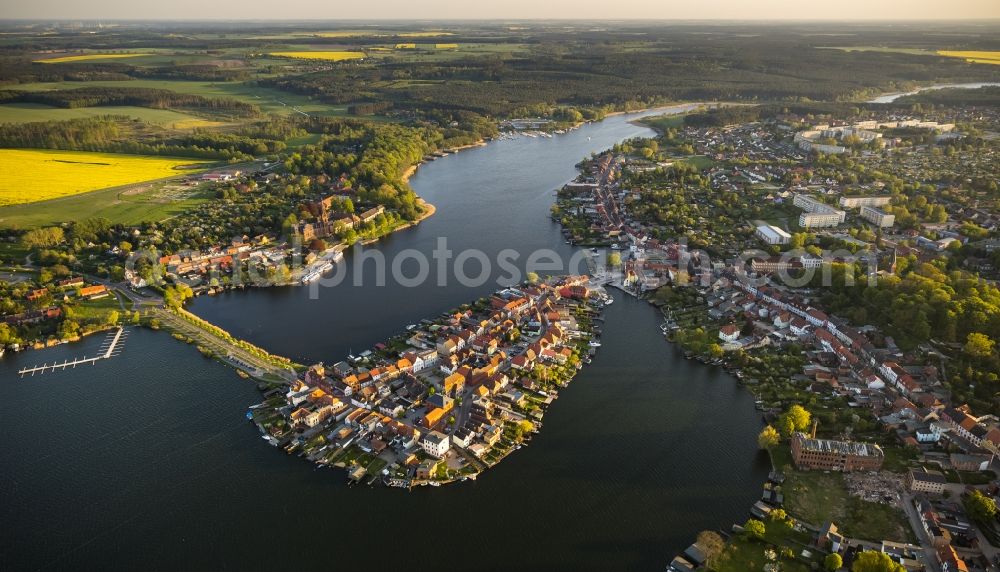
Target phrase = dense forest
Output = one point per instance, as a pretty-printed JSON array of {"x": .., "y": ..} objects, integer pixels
[
  {"x": 141, "y": 97},
  {"x": 984, "y": 96},
  {"x": 118, "y": 134},
  {"x": 372, "y": 157},
  {"x": 783, "y": 68}
]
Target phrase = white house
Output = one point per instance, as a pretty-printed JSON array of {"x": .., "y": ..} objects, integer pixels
[
  {"x": 436, "y": 444},
  {"x": 729, "y": 333}
]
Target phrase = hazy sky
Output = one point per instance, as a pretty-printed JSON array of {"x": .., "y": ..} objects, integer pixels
[{"x": 502, "y": 9}]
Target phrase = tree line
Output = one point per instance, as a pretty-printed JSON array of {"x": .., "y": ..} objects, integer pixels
[{"x": 137, "y": 96}]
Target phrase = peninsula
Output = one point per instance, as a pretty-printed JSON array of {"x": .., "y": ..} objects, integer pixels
[{"x": 448, "y": 399}]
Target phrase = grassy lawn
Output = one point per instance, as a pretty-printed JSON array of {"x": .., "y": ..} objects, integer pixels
[
  {"x": 742, "y": 554},
  {"x": 29, "y": 112},
  {"x": 96, "y": 56},
  {"x": 152, "y": 202},
  {"x": 782, "y": 216},
  {"x": 95, "y": 310},
  {"x": 376, "y": 466},
  {"x": 664, "y": 122},
  {"x": 308, "y": 139},
  {"x": 700, "y": 161},
  {"x": 817, "y": 498},
  {"x": 13, "y": 252},
  {"x": 269, "y": 100},
  {"x": 872, "y": 521},
  {"x": 781, "y": 457},
  {"x": 898, "y": 459}
]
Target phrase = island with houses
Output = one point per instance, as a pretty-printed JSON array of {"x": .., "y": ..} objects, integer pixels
[{"x": 448, "y": 398}]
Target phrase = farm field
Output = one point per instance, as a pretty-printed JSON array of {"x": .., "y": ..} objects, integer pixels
[
  {"x": 884, "y": 50},
  {"x": 88, "y": 57},
  {"x": 429, "y": 52},
  {"x": 427, "y": 34},
  {"x": 37, "y": 175},
  {"x": 972, "y": 56},
  {"x": 377, "y": 34},
  {"x": 979, "y": 57},
  {"x": 28, "y": 112},
  {"x": 329, "y": 56},
  {"x": 154, "y": 201},
  {"x": 269, "y": 100}
]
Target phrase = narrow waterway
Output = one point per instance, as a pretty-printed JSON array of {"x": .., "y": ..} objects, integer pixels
[
  {"x": 146, "y": 460},
  {"x": 890, "y": 97},
  {"x": 488, "y": 199}
]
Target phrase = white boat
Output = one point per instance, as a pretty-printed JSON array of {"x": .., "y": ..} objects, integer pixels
[
  {"x": 595, "y": 344},
  {"x": 316, "y": 271},
  {"x": 410, "y": 327},
  {"x": 608, "y": 301},
  {"x": 311, "y": 276}
]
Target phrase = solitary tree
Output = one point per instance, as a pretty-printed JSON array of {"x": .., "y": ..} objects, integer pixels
[
  {"x": 614, "y": 259},
  {"x": 711, "y": 544},
  {"x": 800, "y": 417},
  {"x": 768, "y": 437},
  {"x": 833, "y": 562},
  {"x": 755, "y": 529},
  {"x": 979, "y": 506}
]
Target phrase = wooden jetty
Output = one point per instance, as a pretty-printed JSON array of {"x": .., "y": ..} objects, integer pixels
[{"x": 109, "y": 349}]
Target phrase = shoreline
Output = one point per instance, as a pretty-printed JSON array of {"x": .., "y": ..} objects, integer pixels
[
  {"x": 728, "y": 366},
  {"x": 427, "y": 209},
  {"x": 338, "y": 401}
]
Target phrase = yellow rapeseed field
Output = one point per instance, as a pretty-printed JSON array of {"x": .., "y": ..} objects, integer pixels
[
  {"x": 974, "y": 57},
  {"x": 331, "y": 56},
  {"x": 31, "y": 175},
  {"x": 85, "y": 57},
  {"x": 446, "y": 46},
  {"x": 406, "y": 46}
]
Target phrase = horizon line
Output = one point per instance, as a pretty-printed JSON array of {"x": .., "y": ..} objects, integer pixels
[{"x": 262, "y": 19}]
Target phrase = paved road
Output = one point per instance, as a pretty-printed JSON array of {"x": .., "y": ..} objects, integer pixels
[
  {"x": 930, "y": 555},
  {"x": 221, "y": 347}
]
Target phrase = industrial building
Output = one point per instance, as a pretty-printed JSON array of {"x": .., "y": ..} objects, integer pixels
[{"x": 771, "y": 234}]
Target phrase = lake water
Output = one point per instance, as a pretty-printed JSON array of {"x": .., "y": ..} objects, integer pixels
[
  {"x": 146, "y": 460},
  {"x": 890, "y": 97}
]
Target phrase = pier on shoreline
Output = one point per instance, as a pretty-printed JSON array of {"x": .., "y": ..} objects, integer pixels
[{"x": 110, "y": 348}]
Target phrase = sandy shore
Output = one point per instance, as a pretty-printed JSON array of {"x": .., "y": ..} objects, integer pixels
[{"x": 428, "y": 208}]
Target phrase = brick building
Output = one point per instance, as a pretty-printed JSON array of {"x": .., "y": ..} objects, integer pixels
[{"x": 847, "y": 456}]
